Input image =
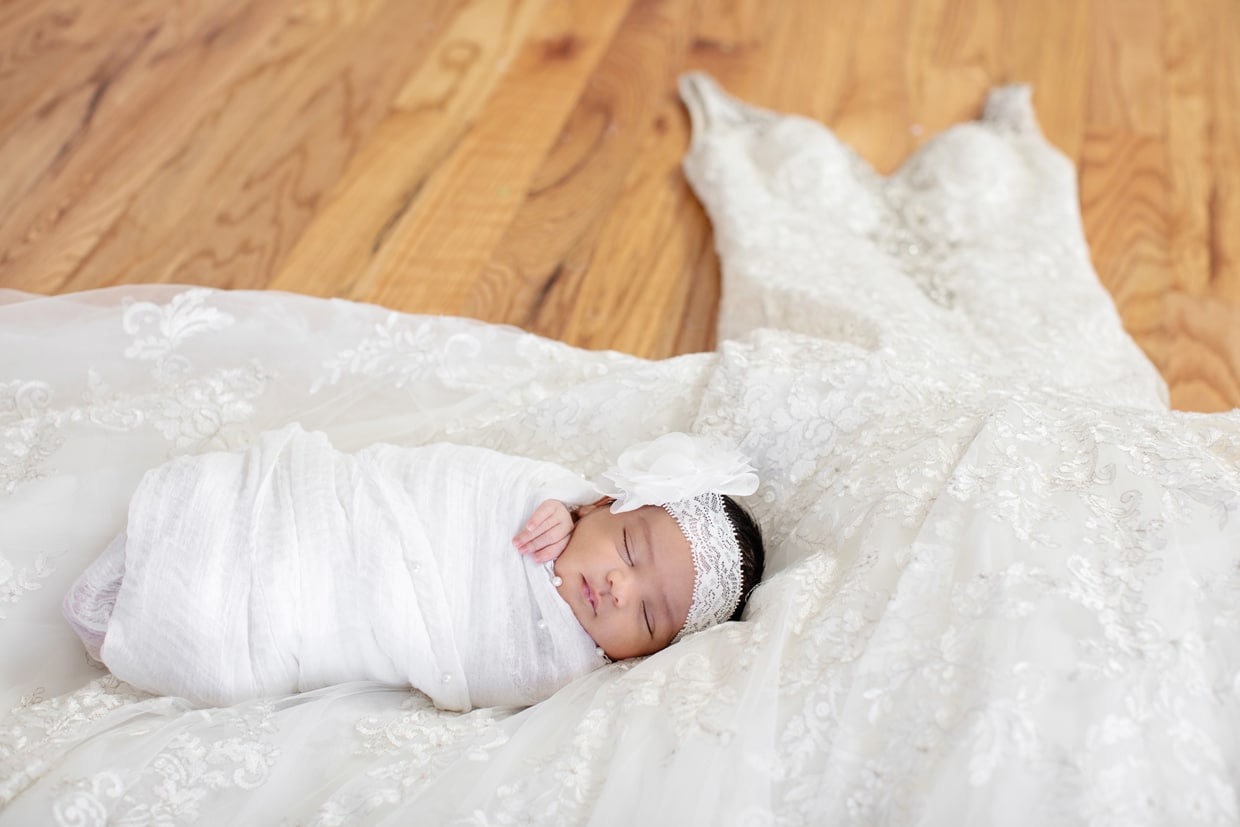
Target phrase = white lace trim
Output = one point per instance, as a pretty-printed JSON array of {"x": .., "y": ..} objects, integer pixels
[{"x": 717, "y": 576}]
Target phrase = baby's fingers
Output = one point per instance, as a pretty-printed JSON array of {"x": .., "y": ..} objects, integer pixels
[
  {"x": 550, "y": 552},
  {"x": 528, "y": 534},
  {"x": 532, "y": 540},
  {"x": 542, "y": 519},
  {"x": 549, "y": 523}
]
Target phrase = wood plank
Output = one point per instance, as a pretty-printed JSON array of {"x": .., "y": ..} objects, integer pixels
[
  {"x": 954, "y": 60},
  {"x": 1124, "y": 168},
  {"x": 1049, "y": 48},
  {"x": 1126, "y": 80},
  {"x": 551, "y": 271},
  {"x": 641, "y": 255},
  {"x": 731, "y": 39},
  {"x": 1224, "y": 197},
  {"x": 1201, "y": 343},
  {"x": 41, "y": 44},
  {"x": 429, "y": 118},
  {"x": 1123, "y": 189},
  {"x": 1202, "y": 314},
  {"x": 1195, "y": 342},
  {"x": 107, "y": 131},
  {"x": 817, "y": 71},
  {"x": 436, "y": 250},
  {"x": 876, "y": 113},
  {"x": 1187, "y": 130},
  {"x": 228, "y": 207}
]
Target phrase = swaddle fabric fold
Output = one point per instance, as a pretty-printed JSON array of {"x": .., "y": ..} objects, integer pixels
[{"x": 293, "y": 566}]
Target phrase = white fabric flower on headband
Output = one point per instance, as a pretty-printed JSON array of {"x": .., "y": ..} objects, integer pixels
[{"x": 676, "y": 467}]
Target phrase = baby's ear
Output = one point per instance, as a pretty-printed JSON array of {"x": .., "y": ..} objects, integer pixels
[{"x": 601, "y": 502}]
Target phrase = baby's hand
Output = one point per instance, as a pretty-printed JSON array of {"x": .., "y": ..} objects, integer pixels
[{"x": 546, "y": 534}]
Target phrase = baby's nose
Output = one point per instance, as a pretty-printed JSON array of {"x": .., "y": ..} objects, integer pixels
[{"x": 619, "y": 586}]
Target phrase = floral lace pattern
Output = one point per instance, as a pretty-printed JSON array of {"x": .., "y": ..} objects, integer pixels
[
  {"x": 27, "y": 434},
  {"x": 16, "y": 582},
  {"x": 408, "y": 748},
  {"x": 232, "y": 753},
  {"x": 1003, "y": 581},
  {"x": 40, "y": 729},
  {"x": 920, "y": 645},
  {"x": 191, "y": 410},
  {"x": 407, "y": 355}
]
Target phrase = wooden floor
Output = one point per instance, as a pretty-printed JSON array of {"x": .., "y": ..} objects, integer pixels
[{"x": 517, "y": 160}]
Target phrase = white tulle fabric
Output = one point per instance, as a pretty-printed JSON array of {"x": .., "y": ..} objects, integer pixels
[
  {"x": 1003, "y": 582},
  {"x": 293, "y": 566}
]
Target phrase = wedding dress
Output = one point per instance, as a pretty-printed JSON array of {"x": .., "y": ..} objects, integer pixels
[{"x": 1003, "y": 580}]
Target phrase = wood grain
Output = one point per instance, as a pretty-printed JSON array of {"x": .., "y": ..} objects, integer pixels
[{"x": 518, "y": 160}]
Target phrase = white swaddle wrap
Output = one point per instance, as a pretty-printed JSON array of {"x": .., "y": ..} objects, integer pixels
[{"x": 293, "y": 566}]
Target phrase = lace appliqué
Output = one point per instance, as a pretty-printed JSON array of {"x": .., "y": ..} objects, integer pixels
[
  {"x": 476, "y": 367},
  {"x": 38, "y": 730},
  {"x": 413, "y": 745},
  {"x": 16, "y": 583},
  {"x": 406, "y": 354},
  {"x": 193, "y": 411},
  {"x": 28, "y": 435},
  {"x": 233, "y": 753}
]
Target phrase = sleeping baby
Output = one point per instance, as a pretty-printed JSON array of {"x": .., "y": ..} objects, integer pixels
[{"x": 292, "y": 565}]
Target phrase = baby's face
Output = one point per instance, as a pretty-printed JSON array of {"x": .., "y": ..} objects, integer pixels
[{"x": 628, "y": 578}]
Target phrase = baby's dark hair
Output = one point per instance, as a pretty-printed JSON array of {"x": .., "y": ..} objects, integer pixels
[{"x": 753, "y": 552}]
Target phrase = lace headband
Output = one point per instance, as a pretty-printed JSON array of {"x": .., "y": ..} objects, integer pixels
[
  {"x": 717, "y": 576},
  {"x": 687, "y": 476}
]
